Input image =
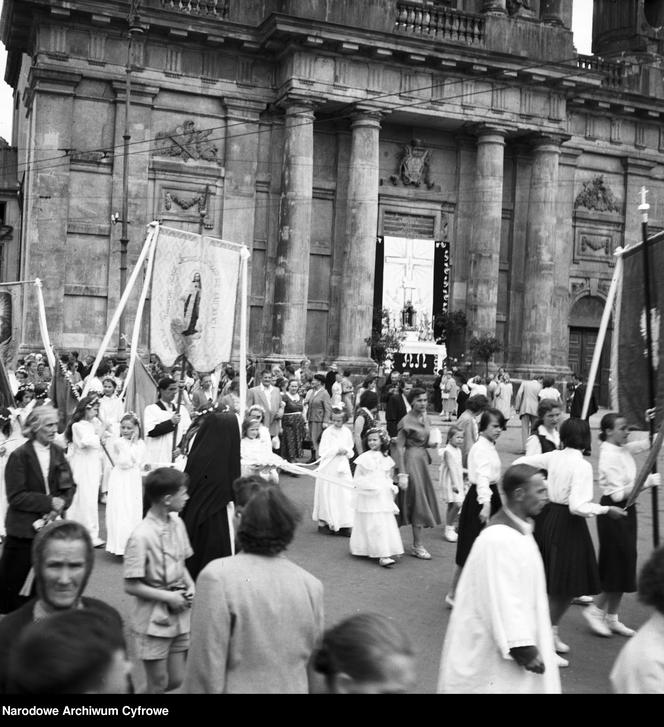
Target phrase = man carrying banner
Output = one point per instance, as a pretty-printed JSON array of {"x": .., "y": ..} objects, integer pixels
[{"x": 160, "y": 420}]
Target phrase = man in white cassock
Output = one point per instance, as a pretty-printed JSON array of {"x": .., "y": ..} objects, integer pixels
[
  {"x": 499, "y": 638},
  {"x": 160, "y": 420}
]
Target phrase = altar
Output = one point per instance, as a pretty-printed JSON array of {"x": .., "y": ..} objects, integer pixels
[
  {"x": 425, "y": 358},
  {"x": 410, "y": 300}
]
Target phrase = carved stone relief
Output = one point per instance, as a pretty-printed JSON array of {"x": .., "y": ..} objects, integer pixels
[
  {"x": 414, "y": 166},
  {"x": 596, "y": 195},
  {"x": 187, "y": 142}
]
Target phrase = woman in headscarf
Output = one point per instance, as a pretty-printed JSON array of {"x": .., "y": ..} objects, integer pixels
[{"x": 213, "y": 464}]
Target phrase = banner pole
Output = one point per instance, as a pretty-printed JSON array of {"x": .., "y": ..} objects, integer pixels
[
  {"x": 153, "y": 229},
  {"x": 244, "y": 262},
  {"x": 601, "y": 334},
  {"x": 643, "y": 208}
]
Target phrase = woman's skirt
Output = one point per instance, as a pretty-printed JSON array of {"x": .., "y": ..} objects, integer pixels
[
  {"x": 567, "y": 551},
  {"x": 470, "y": 525},
  {"x": 617, "y": 550},
  {"x": 292, "y": 436},
  {"x": 417, "y": 503}
]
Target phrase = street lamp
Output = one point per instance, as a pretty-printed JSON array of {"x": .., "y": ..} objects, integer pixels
[{"x": 134, "y": 28}]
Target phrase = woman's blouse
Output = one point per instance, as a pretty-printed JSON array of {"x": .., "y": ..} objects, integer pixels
[
  {"x": 570, "y": 480},
  {"x": 483, "y": 468},
  {"x": 617, "y": 468},
  {"x": 533, "y": 445}
]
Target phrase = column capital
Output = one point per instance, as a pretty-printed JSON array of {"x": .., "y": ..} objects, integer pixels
[
  {"x": 366, "y": 115},
  {"x": 295, "y": 104},
  {"x": 494, "y": 6},
  {"x": 548, "y": 142},
  {"x": 487, "y": 133},
  {"x": 639, "y": 167}
]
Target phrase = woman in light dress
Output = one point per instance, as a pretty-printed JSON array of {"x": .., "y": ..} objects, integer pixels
[
  {"x": 503, "y": 396},
  {"x": 84, "y": 434},
  {"x": 124, "y": 509},
  {"x": 333, "y": 503}
]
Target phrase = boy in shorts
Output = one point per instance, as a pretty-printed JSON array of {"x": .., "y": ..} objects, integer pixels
[{"x": 156, "y": 576}]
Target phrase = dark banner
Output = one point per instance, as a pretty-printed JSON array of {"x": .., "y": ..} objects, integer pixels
[{"x": 631, "y": 368}]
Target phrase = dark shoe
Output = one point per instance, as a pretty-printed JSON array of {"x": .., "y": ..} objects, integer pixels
[
  {"x": 344, "y": 532},
  {"x": 586, "y": 453},
  {"x": 325, "y": 530}
]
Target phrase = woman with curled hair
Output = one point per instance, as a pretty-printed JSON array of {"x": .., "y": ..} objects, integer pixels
[
  {"x": 257, "y": 616},
  {"x": 417, "y": 502},
  {"x": 365, "y": 654},
  {"x": 639, "y": 668},
  {"x": 562, "y": 532},
  {"x": 544, "y": 435}
]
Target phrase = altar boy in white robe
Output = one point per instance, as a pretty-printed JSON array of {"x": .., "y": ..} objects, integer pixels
[
  {"x": 160, "y": 420},
  {"x": 499, "y": 639}
]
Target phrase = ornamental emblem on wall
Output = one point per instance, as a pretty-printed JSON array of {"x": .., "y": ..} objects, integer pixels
[
  {"x": 187, "y": 142},
  {"x": 596, "y": 195},
  {"x": 414, "y": 166}
]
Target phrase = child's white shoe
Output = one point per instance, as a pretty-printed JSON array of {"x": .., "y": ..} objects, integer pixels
[
  {"x": 386, "y": 562},
  {"x": 450, "y": 534}
]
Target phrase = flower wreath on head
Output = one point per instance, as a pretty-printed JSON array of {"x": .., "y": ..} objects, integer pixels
[{"x": 384, "y": 437}]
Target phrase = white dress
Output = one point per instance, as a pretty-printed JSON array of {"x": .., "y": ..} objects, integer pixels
[
  {"x": 451, "y": 474},
  {"x": 333, "y": 503},
  {"x": 159, "y": 450},
  {"x": 85, "y": 461},
  {"x": 336, "y": 393},
  {"x": 500, "y": 604},
  {"x": 7, "y": 446},
  {"x": 124, "y": 507},
  {"x": 111, "y": 410},
  {"x": 375, "y": 532},
  {"x": 257, "y": 458}
]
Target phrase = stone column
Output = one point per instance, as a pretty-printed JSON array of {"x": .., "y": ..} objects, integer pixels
[
  {"x": 557, "y": 12},
  {"x": 291, "y": 283},
  {"x": 536, "y": 350},
  {"x": 360, "y": 244},
  {"x": 482, "y": 297}
]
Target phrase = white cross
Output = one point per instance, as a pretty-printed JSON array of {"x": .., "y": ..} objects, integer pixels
[{"x": 410, "y": 261}]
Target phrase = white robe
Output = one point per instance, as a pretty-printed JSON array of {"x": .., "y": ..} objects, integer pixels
[
  {"x": 500, "y": 603},
  {"x": 333, "y": 503},
  {"x": 158, "y": 450}
]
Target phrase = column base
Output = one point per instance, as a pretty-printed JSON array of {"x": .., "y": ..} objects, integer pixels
[{"x": 527, "y": 371}]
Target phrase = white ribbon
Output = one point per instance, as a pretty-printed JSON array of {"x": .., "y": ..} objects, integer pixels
[{"x": 42, "y": 326}]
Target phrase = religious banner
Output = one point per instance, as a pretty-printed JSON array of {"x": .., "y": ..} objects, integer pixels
[
  {"x": 194, "y": 295},
  {"x": 629, "y": 359},
  {"x": 10, "y": 321}
]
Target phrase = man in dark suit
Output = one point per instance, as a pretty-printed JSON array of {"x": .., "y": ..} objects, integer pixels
[
  {"x": 203, "y": 395},
  {"x": 63, "y": 557},
  {"x": 397, "y": 407},
  {"x": 40, "y": 487},
  {"x": 319, "y": 411},
  {"x": 268, "y": 397}
]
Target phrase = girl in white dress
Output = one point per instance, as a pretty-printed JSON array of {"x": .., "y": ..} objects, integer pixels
[
  {"x": 333, "y": 503},
  {"x": 256, "y": 454},
  {"x": 111, "y": 409},
  {"x": 84, "y": 434},
  {"x": 375, "y": 531},
  {"x": 10, "y": 439},
  {"x": 451, "y": 479},
  {"x": 124, "y": 509}
]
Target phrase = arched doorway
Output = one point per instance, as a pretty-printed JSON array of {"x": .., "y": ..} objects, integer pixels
[{"x": 584, "y": 321}]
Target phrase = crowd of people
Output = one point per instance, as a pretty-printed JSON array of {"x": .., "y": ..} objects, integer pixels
[{"x": 194, "y": 507}]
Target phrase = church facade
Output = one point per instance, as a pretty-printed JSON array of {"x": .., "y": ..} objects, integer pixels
[{"x": 313, "y": 130}]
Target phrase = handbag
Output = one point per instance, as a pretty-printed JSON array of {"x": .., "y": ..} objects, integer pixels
[{"x": 435, "y": 437}]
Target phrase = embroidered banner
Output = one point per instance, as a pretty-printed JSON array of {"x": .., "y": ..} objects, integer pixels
[
  {"x": 11, "y": 297},
  {"x": 629, "y": 390},
  {"x": 194, "y": 297}
]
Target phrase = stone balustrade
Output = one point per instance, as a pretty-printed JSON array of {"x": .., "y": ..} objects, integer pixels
[
  {"x": 613, "y": 72},
  {"x": 214, "y": 8},
  {"x": 439, "y": 23}
]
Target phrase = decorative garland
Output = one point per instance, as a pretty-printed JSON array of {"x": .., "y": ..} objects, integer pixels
[{"x": 67, "y": 374}]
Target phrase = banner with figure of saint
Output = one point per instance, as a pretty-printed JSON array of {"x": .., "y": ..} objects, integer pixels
[
  {"x": 194, "y": 295},
  {"x": 10, "y": 321},
  {"x": 629, "y": 360}
]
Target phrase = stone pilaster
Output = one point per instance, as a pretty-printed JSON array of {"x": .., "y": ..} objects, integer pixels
[
  {"x": 291, "y": 283},
  {"x": 482, "y": 297},
  {"x": 564, "y": 245},
  {"x": 50, "y": 101},
  {"x": 360, "y": 244},
  {"x": 240, "y": 165},
  {"x": 536, "y": 347},
  {"x": 557, "y": 12}
]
